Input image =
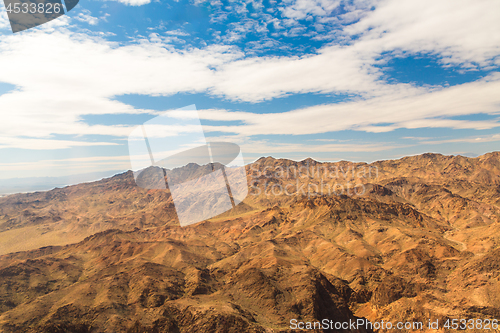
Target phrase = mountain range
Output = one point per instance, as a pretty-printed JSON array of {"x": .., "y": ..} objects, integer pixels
[{"x": 407, "y": 240}]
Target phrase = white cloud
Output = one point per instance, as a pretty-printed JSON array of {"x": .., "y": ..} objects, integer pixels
[
  {"x": 475, "y": 139},
  {"x": 299, "y": 9},
  {"x": 80, "y": 75},
  {"x": 134, "y": 2},
  {"x": 85, "y": 16},
  {"x": 177, "y": 32},
  {"x": 334, "y": 70},
  {"x": 462, "y": 32}
]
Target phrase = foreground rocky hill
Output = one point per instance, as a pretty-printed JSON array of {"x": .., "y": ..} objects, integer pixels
[{"x": 404, "y": 240}]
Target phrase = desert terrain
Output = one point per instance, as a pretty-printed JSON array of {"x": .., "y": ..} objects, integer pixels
[{"x": 413, "y": 239}]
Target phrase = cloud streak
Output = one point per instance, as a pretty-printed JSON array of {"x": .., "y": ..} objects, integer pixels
[{"x": 380, "y": 114}]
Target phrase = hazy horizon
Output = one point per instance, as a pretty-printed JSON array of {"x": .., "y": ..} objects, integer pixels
[{"x": 10, "y": 186}]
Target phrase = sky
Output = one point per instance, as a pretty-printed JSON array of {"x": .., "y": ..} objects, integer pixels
[{"x": 356, "y": 80}]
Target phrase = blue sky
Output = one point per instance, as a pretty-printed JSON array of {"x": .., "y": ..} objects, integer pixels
[{"x": 329, "y": 79}]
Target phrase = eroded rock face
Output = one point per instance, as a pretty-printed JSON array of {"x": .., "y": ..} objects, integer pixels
[{"x": 420, "y": 242}]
